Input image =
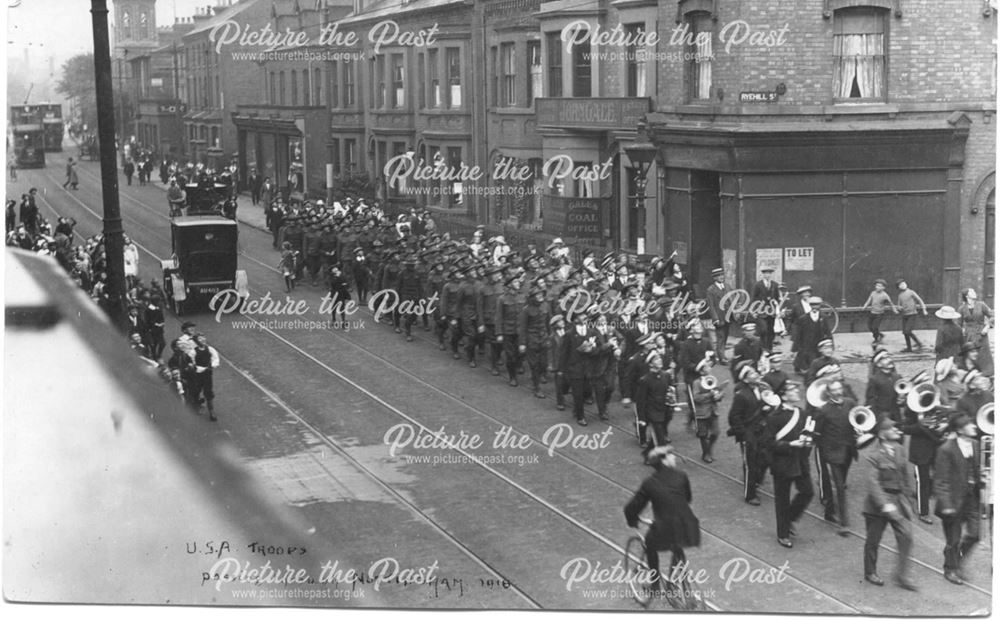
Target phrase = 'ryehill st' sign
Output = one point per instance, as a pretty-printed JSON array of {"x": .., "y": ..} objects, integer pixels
[{"x": 601, "y": 113}]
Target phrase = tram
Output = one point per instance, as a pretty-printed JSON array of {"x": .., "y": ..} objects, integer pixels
[
  {"x": 52, "y": 125},
  {"x": 28, "y": 133}
]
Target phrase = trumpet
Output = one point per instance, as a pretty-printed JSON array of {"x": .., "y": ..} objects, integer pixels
[
  {"x": 903, "y": 386},
  {"x": 710, "y": 382},
  {"x": 863, "y": 420}
]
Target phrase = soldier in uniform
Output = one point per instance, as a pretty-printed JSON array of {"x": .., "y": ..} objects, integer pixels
[
  {"x": 557, "y": 330},
  {"x": 532, "y": 337},
  {"x": 786, "y": 440},
  {"x": 486, "y": 303},
  {"x": 887, "y": 502},
  {"x": 410, "y": 289},
  {"x": 449, "y": 308},
  {"x": 468, "y": 314},
  {"x": 508, "y": 308}
]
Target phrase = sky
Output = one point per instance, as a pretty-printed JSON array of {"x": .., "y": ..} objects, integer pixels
[{"x": 40, "y": 30}]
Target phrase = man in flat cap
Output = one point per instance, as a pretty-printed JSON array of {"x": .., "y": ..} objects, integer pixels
[
  {"x": 766, "y": 298},
  {"x": 714, "y": 295}
]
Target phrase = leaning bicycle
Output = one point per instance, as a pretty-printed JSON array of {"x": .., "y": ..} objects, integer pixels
[{"x": 679, "y": 592}]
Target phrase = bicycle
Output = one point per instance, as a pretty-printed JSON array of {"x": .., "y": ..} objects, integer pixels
[{"x": 680, "y": 594}]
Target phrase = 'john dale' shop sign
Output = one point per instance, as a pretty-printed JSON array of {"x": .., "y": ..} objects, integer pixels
[{"x": 579, "y": 218}]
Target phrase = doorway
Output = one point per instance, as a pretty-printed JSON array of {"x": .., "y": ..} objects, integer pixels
[{"x": 706, "y": 227}]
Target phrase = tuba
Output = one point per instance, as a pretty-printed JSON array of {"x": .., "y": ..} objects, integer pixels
[
  {"x": 923, "y": 398},
  {"x": 863, "y": 420},
  {"x": 816, "y": 393},
  {"x": 984, "y": 420}
]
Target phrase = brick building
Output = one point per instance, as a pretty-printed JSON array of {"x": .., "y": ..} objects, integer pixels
[
  {"x": 158, "y": 94},
  {"x": 838, "y": 140}
]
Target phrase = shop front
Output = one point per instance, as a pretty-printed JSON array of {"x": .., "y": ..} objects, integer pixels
[
  {"x": 831, "y": 205},
  {"x": 281, "y": 146}
]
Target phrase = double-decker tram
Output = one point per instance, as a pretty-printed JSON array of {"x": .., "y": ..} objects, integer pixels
[
  {"x": 52, "y": 124},
  {"x": 28, "y": 136}
]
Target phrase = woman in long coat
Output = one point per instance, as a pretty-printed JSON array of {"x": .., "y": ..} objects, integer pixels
[{"x": 976, "y": 321}]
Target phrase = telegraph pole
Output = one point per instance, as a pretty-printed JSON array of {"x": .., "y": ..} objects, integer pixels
[{"x": 114, "y": 243}]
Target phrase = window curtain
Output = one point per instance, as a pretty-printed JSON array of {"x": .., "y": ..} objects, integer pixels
[
  {"x": 859, "y": 57},
  {"x": 703, "y": 67}
]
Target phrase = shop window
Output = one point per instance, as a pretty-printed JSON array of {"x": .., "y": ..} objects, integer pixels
[
  {"x": 583, "y": 188},
  {"x": 699, "y": 49},
  {"x": 435, "y": 78},
  {"x": 453, "y": 63},
  {"x": 534, "y": 56},
  {"x": 508, "y": 93},
  {"x": 859, "y": 53},
  {"x": 581, "y": 69},
  {"x": 553, "y": 49},
  {"x": 635, "y": 62},
  {"x": 398, "y": 81}
]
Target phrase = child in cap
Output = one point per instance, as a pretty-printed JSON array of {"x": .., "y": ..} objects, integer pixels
[{"x": 878, "y": 303}]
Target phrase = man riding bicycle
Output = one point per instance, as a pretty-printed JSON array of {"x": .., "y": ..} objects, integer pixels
[{"x": 675, "y": 526}]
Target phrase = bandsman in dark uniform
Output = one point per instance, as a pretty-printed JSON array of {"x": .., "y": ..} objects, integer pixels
[
  {"x": 837, "y": 450},
  {"x": 747, "y": 419},
  {"x": 957, "y": 481},
  {"x": 880, "y": 394},
  {"x": 775, "y": 377},
  {"x": 749, "y": 348},
  {"x": 977, "y": 395},
  {"x": 580, "y": 349},
  {"x": 887, "y": 502},
  {"x": 607, "y": 361},
  {"x": 824, "y": 359},
  {"x": 925, "y": 437},
  {"x": 691, "y": 352},
  {"x": 788, "y": 436},
  {"x": 705, "y": 401},
  {"x": 653, "y": 402}
]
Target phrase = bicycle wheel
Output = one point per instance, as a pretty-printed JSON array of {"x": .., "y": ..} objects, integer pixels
[{"x": 635, "y": 565}]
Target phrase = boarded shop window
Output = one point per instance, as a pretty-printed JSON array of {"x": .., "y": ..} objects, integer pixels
[
  {"x": 508, "y": 96},
  {"x": 534, "y": 70},
  {"x": 700, "y": 55},
  {"x": 635, "y": 61},
  {"x": 453, "y": 64},
  {"x": 859, "y": 44},
  {"x": 553, "y": 48}
]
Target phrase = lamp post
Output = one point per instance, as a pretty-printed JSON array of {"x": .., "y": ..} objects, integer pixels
[{"x": 641, "y": 153}]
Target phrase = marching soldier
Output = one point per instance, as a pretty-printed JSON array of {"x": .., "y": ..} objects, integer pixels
[
  {"x": 557, "y": 331},
  {"x": 409, "y": 291},
  {"x": 507, "y": 310},
  {"x": 450, "y": 293},
  {"x": 787, "y": 439},
  {"x": 468, "y": 299},
  {"x": 486, "y": 303},
  {"x": 887, "y": 502},
  {"x": 532, "y": 337}
]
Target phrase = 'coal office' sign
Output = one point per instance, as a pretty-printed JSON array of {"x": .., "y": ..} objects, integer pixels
[{"x": 579, "y": 218}]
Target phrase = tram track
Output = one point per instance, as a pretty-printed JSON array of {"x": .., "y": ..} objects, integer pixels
[{"x": 592, "y": 472}]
